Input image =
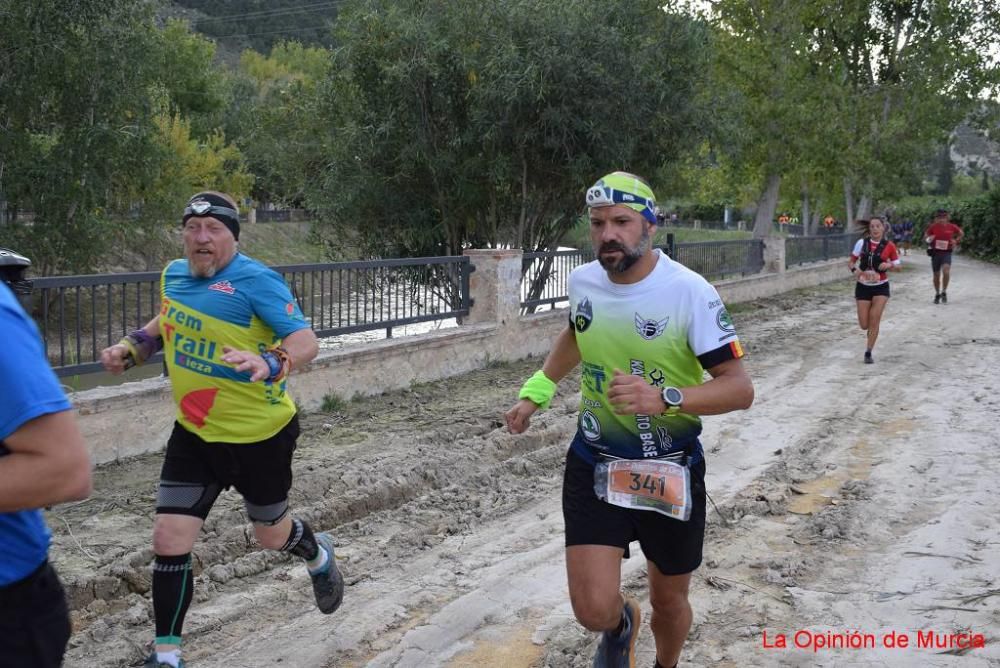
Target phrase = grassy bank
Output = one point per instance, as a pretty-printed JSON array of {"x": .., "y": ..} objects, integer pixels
[{"x": 579, "y": 236}]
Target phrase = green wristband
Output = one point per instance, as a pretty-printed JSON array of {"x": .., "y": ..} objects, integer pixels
[{"x": 538, "y": 389}]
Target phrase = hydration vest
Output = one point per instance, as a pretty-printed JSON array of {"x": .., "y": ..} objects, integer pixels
[{"x": 871, "y": 259}]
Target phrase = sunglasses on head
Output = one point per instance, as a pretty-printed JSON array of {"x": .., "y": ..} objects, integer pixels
[{"x": 200, "y": 207}]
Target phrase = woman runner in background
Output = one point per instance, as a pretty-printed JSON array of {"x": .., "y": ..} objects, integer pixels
[{"x": 873, "y": 256}]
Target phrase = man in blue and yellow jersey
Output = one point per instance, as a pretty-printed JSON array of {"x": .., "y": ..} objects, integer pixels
[
  {"x": 644, "y": 328},
  {"x": 231, "y": 333}
]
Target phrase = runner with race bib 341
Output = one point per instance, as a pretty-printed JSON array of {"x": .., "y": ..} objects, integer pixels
[{"x": 644, "y": 328}]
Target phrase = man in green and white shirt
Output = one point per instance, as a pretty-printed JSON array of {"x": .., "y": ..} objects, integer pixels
[{"x": 645, "y": 328}]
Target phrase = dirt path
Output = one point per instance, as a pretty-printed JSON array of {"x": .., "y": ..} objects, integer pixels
[{"x": 850, "y": 498}]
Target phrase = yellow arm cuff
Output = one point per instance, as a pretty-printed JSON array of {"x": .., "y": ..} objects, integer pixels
[{"x": 538, "y": 389}]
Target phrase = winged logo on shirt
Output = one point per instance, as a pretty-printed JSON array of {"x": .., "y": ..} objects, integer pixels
[{"x": 650, "y": 329}]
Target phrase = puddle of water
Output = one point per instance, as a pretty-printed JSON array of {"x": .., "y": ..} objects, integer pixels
[
  {"x": 811, "y": 496},
  {"x": 515, "y": 650}
]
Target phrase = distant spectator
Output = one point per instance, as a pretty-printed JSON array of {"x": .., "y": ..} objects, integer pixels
[
  {"x": 897, "y": 232},
  {"x": 907, "y": 235}
]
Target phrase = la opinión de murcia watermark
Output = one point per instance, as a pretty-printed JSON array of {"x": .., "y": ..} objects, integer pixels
[{"x": 821, "y": 641}]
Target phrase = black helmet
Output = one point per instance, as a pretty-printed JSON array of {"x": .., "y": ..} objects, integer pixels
[{"x": 12, "y": 268}]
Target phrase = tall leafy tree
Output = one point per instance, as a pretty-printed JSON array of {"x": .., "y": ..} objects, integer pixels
[
  {"x": 278, "y": 124},
  {"x": 844, "y": 98},
  {"x": 911, "y": 71},
  {"x": 194, "y": 86},
  {"x": 85, "y": 91},
  {"x": 459, "y": 122},
  {"x": 774, "y": 95},
  {"x": 74, "y": 118}
]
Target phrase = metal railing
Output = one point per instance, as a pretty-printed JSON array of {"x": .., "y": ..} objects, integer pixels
[
  {"x": 281, "y": 215},
  {"x": 544, "y": 277},
  {"x": 544, "y": 274},
  {"x": 78, "y": 316},
  {"x": 800, "y": 250},
  {"x": 718, "y": 260}
]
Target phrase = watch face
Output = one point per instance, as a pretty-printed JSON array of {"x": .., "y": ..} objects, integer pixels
[{"x": 672, "y": 396}]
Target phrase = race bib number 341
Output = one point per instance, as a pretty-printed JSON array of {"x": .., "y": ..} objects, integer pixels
[{"x": 658, "y": 485}]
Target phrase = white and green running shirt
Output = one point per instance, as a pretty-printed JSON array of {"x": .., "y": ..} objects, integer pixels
[{"x": 667, "y": 328}]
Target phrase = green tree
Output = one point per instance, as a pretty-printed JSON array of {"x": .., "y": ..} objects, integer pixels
[
  {"x": 846, "y": 97},
  {"x": 74, "y": 120},
  {"x": 458, "y": 123},
  {"x": 278, "y": 124},
  {"x": 772, "y": 98},
  {"x": 912, "y": 70},
  {"x": 186, "y": 165},
  {"x": 195, "y": 87}
]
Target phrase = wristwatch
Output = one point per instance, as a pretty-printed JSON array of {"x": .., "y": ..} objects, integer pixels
[{"x": 673, "y": 398}]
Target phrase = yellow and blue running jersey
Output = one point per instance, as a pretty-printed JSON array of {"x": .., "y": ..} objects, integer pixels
[{"x": 245, "y": 306}]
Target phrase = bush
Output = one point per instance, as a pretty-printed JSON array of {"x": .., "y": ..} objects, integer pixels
[
  {"x": 706, "y": 212},
  {"x": 980, "y": 219}
]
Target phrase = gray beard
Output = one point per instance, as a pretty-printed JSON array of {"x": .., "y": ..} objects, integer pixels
[{"x": 201, "y": 273}]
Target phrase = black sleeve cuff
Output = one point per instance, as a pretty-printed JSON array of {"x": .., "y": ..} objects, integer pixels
[{"x": 730, "y": 351}]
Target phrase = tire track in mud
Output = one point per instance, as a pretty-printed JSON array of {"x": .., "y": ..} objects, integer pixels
[
  {"x": 814, "y": 523},
  {"x": 450, "y": 534},
  {"x": 387, "y": 495},
  {"x": 766, "y": 531}
]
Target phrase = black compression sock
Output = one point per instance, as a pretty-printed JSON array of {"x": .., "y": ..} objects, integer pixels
[
  {"x": 173, "y": 583},
  {"x": 301, "y": 541}
]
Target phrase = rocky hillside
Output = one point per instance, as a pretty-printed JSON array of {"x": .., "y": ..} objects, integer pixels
[{"x": 972, "y": 151}]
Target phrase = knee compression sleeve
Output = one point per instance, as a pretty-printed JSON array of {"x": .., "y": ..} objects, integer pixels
[
  {"x": 268, "y": 515},
  {"x": 173, "y": 582},
  {"x": 185, "y": 498}
]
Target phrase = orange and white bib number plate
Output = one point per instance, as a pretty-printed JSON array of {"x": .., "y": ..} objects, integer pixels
[
  {"x": 869, "y": 278},
  {"x": 658, "y": 485}
]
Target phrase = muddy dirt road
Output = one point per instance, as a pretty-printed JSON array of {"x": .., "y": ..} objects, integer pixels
[{"x": 849, "y": 498}]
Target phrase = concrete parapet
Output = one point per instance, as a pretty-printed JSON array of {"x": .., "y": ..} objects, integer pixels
[
  {"x": 774, "y": 255},
  {"x": 136, "y": 418}
]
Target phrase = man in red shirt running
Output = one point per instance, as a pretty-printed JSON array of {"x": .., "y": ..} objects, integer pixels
[{"x": 942, "y": 237}]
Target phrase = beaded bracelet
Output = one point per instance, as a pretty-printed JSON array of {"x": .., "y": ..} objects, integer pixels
[{"x": 279, "y": 363}]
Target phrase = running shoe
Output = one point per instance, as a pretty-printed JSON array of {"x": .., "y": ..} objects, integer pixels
[
  {"x": 944, "y": 297},
  {"x": 151, "y": 662},
  {"x": 868, "y": 359},
  {"x": 937, "y": 299},
  {"x": 328, "y": 583},
  {"x": 619, "y": 651}
]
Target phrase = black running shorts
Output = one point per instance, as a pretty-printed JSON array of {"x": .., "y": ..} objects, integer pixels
[
  {"x": 674, "y": 546},
  {"x": 34, "y": 621},
  {"x": 939, "y": 259},
  {"x": 261, "y": 472},
  {"x": 864, "y": 293}
]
